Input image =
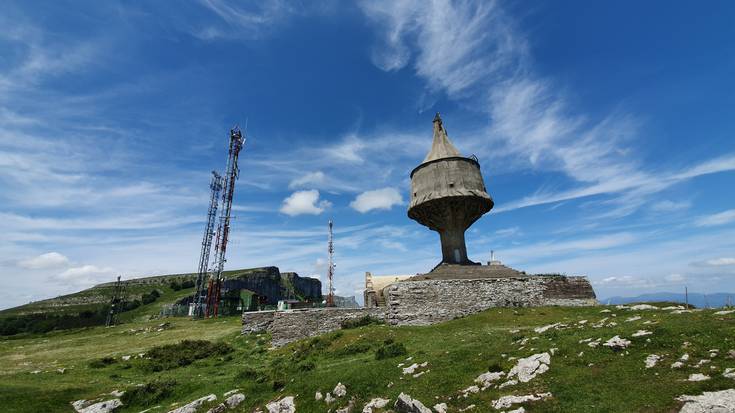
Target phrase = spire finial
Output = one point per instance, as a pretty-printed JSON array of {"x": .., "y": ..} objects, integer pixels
[{"x": 438, "y": 118}]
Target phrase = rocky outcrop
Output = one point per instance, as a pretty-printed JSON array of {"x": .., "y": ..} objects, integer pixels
[
  {"x": 270, "y": 283},
  {"x": 405, "y": 404}
]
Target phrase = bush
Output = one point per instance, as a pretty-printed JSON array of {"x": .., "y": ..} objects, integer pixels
[
  {"x": 148, "y": 394},
  {"x": 183, "y": 353},
  {"x": 306, "y": 365},
  {"x": 353, "y": 348},
  {"x": 150, "y": 297},
  {"x": 390, "y": 351},
  {"x": 187, "y": 284},
  {"x": 494, "y": 368},
  {"x": 103, "y": 362},
  {"x": 365, "y": 320}
]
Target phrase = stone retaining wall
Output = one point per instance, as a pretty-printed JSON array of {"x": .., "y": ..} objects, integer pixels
[
  {"x": 427, "y": 302},
  {"x": 433, "y": 301},
  {"x": 292, "y": 325}
]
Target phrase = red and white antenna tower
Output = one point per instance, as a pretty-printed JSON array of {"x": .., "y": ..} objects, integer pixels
[
  {"x": 223, "y": 230},
  {"x": 330, "y": 267}
]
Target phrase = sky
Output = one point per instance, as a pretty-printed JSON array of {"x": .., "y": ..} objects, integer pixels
[{"x": 605, "y": 134}]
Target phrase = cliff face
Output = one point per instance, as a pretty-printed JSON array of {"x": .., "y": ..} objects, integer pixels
[{"x": 274, "y": 285}]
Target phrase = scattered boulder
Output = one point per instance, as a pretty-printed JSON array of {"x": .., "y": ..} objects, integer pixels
[
  {"x": 376, "y": 403},
  {"x": 328, "y": 398},
  {"x": 641, "y": 333},
  {"x": 617, "y": 343},
  {"x": 234, "y": 400},
  {"x": 729, "y": 373},
  {"x": 677, "y": 365},
  {"x": 318, "y": 396},
  {"x": 285, "y": 405},
  {"x": 507, "y": 401},
  {"x": 440, "y": 408},
  {"x": 410, "y": 369},
  {"x": 698, "y": 377},
  {"x": 231, "y": 392},
  {"x": 638, "y": 307},
  {"x": 651, "y": 360},
  {"x": 193, "y": 406},
  {"x": 340, "y": 390},
  {"x": 486, "y": 379},
  {"x": 405, "y": 404},
  {"x": 528, "y": 368},
  {"x": 543, "y": 329},
  {"x": 723, "y": 312},
  {"x": 709, "y": 402},
  {"x": 220, "y": 408},
  {"x": 635, "y": 318},
  {"x": 106, "y": 406}
]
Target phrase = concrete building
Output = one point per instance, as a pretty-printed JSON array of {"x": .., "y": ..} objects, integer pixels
[{"x": 448, "y": 195}]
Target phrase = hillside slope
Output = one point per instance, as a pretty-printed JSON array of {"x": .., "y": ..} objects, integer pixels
[
  {"x": 581, "y": 377},
  {"x": 90, "y": 306}
]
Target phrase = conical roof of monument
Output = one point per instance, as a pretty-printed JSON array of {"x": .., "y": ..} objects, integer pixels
[{"x": 441, "y": 147}]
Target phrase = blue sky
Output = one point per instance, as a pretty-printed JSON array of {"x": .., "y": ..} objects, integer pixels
[{"x": 604, "y": 131}]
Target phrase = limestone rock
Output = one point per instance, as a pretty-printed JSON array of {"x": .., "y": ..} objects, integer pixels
[
  {"x": 486, "y": 379},
  {"x": 729, "y": 373},
  {"x": 101, "y": 407},
  {"x": 234, "y": 400},
  {"x": 285, "y": 405},
  {"x": 405, "y": 404},
  {"x": 651, "y": 360},
  {"x": 617, "y": 343},
  {"x": 722, "y": 401},
  {"x": 220, "y": 408},
  {"x": 643, "y": 307},
  {"x": 376, "y": 403},
  {"x": 318, "y": 396},
  {"x": 507, "y": 401},
  {"x": 698, "y": 377},
  {"x": 528, "y": 368},
  {"x": 440, "y": 408},
  {"x": 193, "y": 406},
  {"x": 328, "y": 398},
  {"x": 340, "y": 390},
  {"x": 641, "y": 333}
]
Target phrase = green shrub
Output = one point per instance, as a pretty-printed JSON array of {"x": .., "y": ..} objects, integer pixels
[
  {"x": 365, "y": 320},
  {"x": 103, "y": 362},
  {"x": 149, "y": 393},
  {"x": 353, "y": 348},
  {"x": 390, "y": 351},
  {"x": 306, "y": 365},
  {"x": 183, "y": 353}
]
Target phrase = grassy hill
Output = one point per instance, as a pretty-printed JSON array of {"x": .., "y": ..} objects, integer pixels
[
  {"x": 580, "y": 378},
  {"x": 144, "y": 296}
]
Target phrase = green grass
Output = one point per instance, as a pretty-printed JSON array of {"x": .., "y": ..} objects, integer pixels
[{"x": 458, "y": 351}]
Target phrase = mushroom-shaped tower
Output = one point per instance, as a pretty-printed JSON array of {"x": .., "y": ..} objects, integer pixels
[{"x": 448, "y": 195}]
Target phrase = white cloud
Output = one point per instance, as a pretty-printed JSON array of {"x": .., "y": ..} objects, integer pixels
[
  {"x": 670, "y": 206},
  {"x": 48, "y": 260},
  {"x": 84, "y": 275},
  {"x": 718, "y": 262},
  {"x": 304, "y": 202},
  {"x": 721, "y": 218},
  {"x": 348, "y": 151},
  {"x": 675, "y": 278},
  {"x": 508, "y": 232},
  {"x": 384, "y": 198},
  {"x": 623, "y": 281},
  {"x": 311, "y": 179}
]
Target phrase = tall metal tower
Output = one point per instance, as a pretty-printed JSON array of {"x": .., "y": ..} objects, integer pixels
[
  {"x": 330, "y": 267},
  {"x": 196, "y": 309},
  {"x": 223, "y": 230},
  {"x": 115, "y": 303}
]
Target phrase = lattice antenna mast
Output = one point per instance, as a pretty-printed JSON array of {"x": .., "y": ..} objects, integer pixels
[
  {"x": 198, "y": 305},
  {"x": 223, "y": 231},
  {"x": 330, "y": 267},
  {"x": 115, "y": 303}
]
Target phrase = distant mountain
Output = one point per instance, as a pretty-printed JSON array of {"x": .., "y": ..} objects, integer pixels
[{"x": 697, "y": 299}]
